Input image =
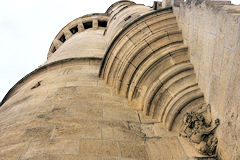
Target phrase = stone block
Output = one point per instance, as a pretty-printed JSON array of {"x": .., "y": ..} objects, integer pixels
[
  {"x": 229, "y": 128},
  {"x": 225, "y": 151},
  {"x": 76, "y": 157},
  {"x": 76, "y": 131},
  {"x": 148, "y": 130},
  {"x": 213, "y": 95},
  {"x": 161, "y": 131},
  {"x": 232, "y": 27},
  {"x": 234, "y": 86},
  {"x": 163, "y": 25},
  {"x": 53, "y": 146},
  {"x": 133, "y": 151},
  {"x": 227, "y": 63},
  {"x": 99, "y": 147},
  {"x": 86, "y": 112},
  {"x": 69, "y": 120},
  {"x": 11, "y": 137},
  {"x": 37, "y": 133},
  {"x": 218, "y": 55},
  {"x": 11, "y": 152},
  {"x": 110, "y": 114},
  {"x": 42, "y": 157},
  {"x": 115, "y": 105},
  {"x": 144, "y": 32},
  {"x": 120, "y": 134},
  {"x": 157, "y": 149}
]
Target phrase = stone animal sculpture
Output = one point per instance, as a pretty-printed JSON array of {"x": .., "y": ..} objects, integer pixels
[{"x": 199, "y": 130}]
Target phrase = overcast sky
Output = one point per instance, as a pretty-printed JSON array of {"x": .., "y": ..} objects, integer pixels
[{"x": 27, "y": 28}]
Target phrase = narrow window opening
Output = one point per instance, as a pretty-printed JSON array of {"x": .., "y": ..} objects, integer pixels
[
  {"x": 53, "y": 50},
  {"x": 127, "y": 18},
  {"x": 102, "y": 23},
  {"x": 63, "y": 39},
  {"x": 87, "y": 25},
  {"x": 36, "y": 85},
  {"x": 74, "y": 29}
]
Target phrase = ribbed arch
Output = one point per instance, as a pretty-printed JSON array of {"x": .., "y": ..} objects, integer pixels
[
  {"x": 176, "y": 106},
  {"x": 148, "y": 63},
  {"x": 121, "y": 39},
  {"x": 128, "y": 40},
  {"x": 135, "y": 58},
  {"x": 153, "y": 94},
  {"x": 128, "y": 47},
  {"x": 156, "y": 65}
]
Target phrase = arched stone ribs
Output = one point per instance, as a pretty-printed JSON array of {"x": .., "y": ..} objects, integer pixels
[
  {"x": 155, "y": 65},
  {"x": 123, "y": 45},
  {"x": 154, "y": 93},
  {"x": 149, "y": 64},
  {"x": 192, "y": 94},
  {"x": 133, "y": 61},
  {"x": 141, "y": 53},
  {"x": 140, "y": 30}
]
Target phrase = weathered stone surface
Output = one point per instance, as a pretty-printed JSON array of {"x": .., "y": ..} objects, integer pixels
[
  {"x": 63, "y": 110},
  {"x": 75, "y": 132},
  {"x": 110, "y": 114},
  {"x": 158, "y": 147},
  {"x": 214, "y": 52},
  {"x": 99, "y": 147},
  {"x": 134, "y": 151},
  {"x": 54, "y": 146},
  {"x": 13, "y": 151},
  {"x": 43, "y": 157},
  {"x": 75, "y": 157},
  {"x": 37, "y": 133},
  {"x": 118, "y": 134}
]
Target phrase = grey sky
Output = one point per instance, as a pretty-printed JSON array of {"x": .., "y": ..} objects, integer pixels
[{"x": 27, "y": 28}]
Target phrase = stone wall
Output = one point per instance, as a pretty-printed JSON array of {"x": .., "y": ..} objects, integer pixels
[
  {"x": 211, "y": 31},
  {"x": 63, "y": 110}
]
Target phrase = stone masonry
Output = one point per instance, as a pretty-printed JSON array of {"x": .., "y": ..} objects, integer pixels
[{"x": 133, "y": 83}]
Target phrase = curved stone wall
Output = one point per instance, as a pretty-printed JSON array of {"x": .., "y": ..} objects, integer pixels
[
  {"x": 149, "y": 110},
  {"x": 94, "y": 21}
]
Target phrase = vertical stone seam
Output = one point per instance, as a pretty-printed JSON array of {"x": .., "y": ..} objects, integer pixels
[
  {"x": 149, "y": 45},
  {"x": 182, "y": 147},
  {"x": 119, "y": 149},
  {"x": 28, "y": 145},
  {"x": 199, "y": 59},
  {"x": 148, "y": 27},
  {"x": 217, "y": 35},
  {"x": 79, "y": 148},
  {"x": 210, "y": 79},
  {"x": 52, "y": 134},
  {"x": 101, "y": 133}
]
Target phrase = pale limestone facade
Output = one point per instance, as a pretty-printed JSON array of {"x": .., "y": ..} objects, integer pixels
[{"x": 134, "y": 83}]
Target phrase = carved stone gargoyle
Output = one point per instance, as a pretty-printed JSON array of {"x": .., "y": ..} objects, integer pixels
[{"x": 199, "y": 130}]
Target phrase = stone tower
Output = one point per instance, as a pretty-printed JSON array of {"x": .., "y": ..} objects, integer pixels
[{"x": 128, "y": 84}]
